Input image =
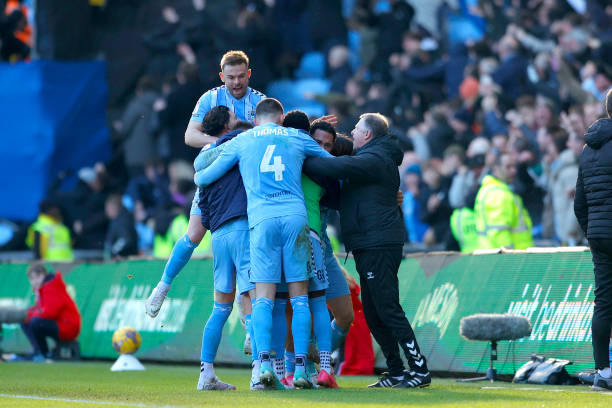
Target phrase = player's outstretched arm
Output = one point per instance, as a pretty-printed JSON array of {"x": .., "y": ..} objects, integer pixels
[
  {"x": 364, "y": 167},
  {"x": 207, "y": 157},
  {"x": 194, "y": 136},
  {"x": 218, "y": 168}
]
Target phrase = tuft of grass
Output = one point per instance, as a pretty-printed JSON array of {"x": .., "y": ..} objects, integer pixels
[{"x": 92, "y": 384}]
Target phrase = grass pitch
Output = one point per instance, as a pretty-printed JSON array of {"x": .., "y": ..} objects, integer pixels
[{"x": 92, "y": 384}]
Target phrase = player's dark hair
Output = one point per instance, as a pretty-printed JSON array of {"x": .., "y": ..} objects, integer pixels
[
  {"x": 215, "y": 120},
  {"x": 37, "y": 268},
  {"x": 376, "y": 123},
  {"x": 343, "y": 146},
  {"x": 242, "y": 125},
  {"x": 609, "y": 103},
  {"x": 297, "y": 119},
  {"x": 234, "y": 57},
  {"x": 324, "y": 126},
  {"x": 268, "y": 107}
]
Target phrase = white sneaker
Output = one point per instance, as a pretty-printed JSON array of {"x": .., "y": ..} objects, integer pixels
[
  {"x": 214, "y": 384},
  {"x": 256, "y": 385},
  {"x": 156, "y": 299}
]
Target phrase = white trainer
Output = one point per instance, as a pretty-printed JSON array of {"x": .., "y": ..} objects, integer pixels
[
  {"x": 214, "y": 384},
  {"x": 156, "y": 299}
]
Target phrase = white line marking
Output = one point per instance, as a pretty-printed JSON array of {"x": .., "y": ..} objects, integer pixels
[
  {"x": 572, "y": 390},
  {"x": 82, "y": 401}
]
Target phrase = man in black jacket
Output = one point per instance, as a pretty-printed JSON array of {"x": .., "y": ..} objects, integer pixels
[
  {"x": 593, "y": 208},
  {"x": 373, "y": 228}
]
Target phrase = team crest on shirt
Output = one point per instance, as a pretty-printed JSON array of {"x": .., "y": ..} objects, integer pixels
[
  {"x": 196, "y": 107},
  {"x": 250, "y": 115}
]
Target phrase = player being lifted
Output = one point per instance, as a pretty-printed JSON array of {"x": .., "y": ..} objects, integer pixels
[
  {"x": 236, "y": 94},
  {"x": 270, "y": 159}
]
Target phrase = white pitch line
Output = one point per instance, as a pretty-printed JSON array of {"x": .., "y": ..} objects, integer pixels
[
  {"x": 82, "y": 401},
  {"x": 549, "y": 390}
]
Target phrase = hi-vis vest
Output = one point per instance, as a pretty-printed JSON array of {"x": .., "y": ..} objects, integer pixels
[
  {"x": 463, "y": 227},
  {"x": 163, "y": 244},
  {"x": 55, "y": 239},
  {"x": 501, "y": 218}
]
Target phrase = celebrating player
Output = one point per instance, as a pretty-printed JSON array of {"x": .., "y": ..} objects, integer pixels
[
  {"x": 223, "y": 206},
  {"x": 270, "y": 160},
  {"x": 241, "y": 101}
]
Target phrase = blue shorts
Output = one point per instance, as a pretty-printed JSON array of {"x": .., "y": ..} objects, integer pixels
[
  {"x": 280, "y": 248},
  {"x": 318, "y": 274},
  {"x": 195, "y": 204},
  {"x": 230, "y": 247},
  {"x": 337, "y": 282}
]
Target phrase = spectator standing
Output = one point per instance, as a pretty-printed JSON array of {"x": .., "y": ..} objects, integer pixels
[
  {"x": 121, "y": 238},
  {"x": 135, "y": 128},
  {"x": 501, "y": 218},
  {"x": 48, "y": 237},
  {"x": 594, "y": 212}
]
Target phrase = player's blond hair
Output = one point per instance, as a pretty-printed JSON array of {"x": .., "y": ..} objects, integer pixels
[{"x": 234, "y": 57}]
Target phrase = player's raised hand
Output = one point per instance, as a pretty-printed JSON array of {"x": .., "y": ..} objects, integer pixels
[{"x": 331, "y": 119}]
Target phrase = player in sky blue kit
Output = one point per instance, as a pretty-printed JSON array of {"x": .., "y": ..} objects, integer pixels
[
  {"x": 241, "y": 101},
  {"x": 270, "y": 159},
  {"x": 223, "y": 206}
]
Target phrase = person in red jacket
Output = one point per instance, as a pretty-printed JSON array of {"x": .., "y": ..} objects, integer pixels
[{"x": 54, "y": 314}]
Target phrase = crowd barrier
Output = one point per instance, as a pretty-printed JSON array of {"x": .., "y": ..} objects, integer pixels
[{"x": 553, "y": 288}]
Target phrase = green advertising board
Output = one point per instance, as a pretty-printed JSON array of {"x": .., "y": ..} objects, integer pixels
[{"x": 553, "y": 290}]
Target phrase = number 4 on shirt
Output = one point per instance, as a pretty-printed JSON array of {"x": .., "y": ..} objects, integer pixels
[{"x": 268, "y": 166}]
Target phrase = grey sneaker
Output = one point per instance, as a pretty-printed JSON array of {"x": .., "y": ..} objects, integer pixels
[
  {"x": 156, "y": 299},
  {"x": 601, "y": 383},
  {"x": 587, "y": 377},
  {"x": 256, "y": 385},
  {"x": 214, "y": 384}
]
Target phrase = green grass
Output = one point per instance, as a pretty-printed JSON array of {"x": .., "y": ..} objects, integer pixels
[{"x": 165, "y": 385}]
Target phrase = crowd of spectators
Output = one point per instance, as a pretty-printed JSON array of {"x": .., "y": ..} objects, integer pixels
[
  {"x": 15, "y": 30},
  {"x": 524, "y": 77}
]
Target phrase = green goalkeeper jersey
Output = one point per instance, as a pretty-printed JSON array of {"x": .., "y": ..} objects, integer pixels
[{"x": 312, "y": 195}]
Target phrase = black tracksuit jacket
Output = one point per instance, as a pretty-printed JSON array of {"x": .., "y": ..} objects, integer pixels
[{"x": 369, "y": 214}]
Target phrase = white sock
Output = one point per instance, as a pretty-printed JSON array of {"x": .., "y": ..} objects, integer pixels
[
  {"x": 163, "y": 287},
  {"x": 279, "y": 367},
  {"x": 605, "y": 373},
  {"x": 256, "y": 366},
  {"x": 325, "y": 359},
  {"x": 207, "y": 370}
]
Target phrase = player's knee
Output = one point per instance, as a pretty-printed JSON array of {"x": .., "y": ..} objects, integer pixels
[
  {"x": 195, "y": 231},
  {"x": 344, "y": 316}
]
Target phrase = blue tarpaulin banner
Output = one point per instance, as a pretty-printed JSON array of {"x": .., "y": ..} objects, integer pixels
[{"x": 52, "y": 118}]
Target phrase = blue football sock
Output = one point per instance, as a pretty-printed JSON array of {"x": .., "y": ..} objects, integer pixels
[
  {"x": 261, "y": 320},
  {"x": 320, "y": 316},
  {"x": 279, "y": 327},
  {"x": 211, "y": 337},
  {"x": 181, "y": 253},
  {"x": 337, "y": 335},
  {"x": 300, "y": 327},
  {"x": 289, "y": 362}
]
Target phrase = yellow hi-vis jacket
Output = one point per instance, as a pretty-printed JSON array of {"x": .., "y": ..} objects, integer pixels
[
  {"x": 55, "y": 242},
  {"x": 463, "y": 227},
  {"x": 501, "y": 218},
  {"x": 163, "y": 244}
]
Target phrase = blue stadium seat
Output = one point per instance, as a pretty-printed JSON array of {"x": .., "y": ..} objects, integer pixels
[{"x": 312, "y": 65}]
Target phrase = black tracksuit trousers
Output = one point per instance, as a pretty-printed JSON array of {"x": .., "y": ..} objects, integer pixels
[
  {"x": 601, "y": 249},
  {"x": 377, "y": 268}
]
